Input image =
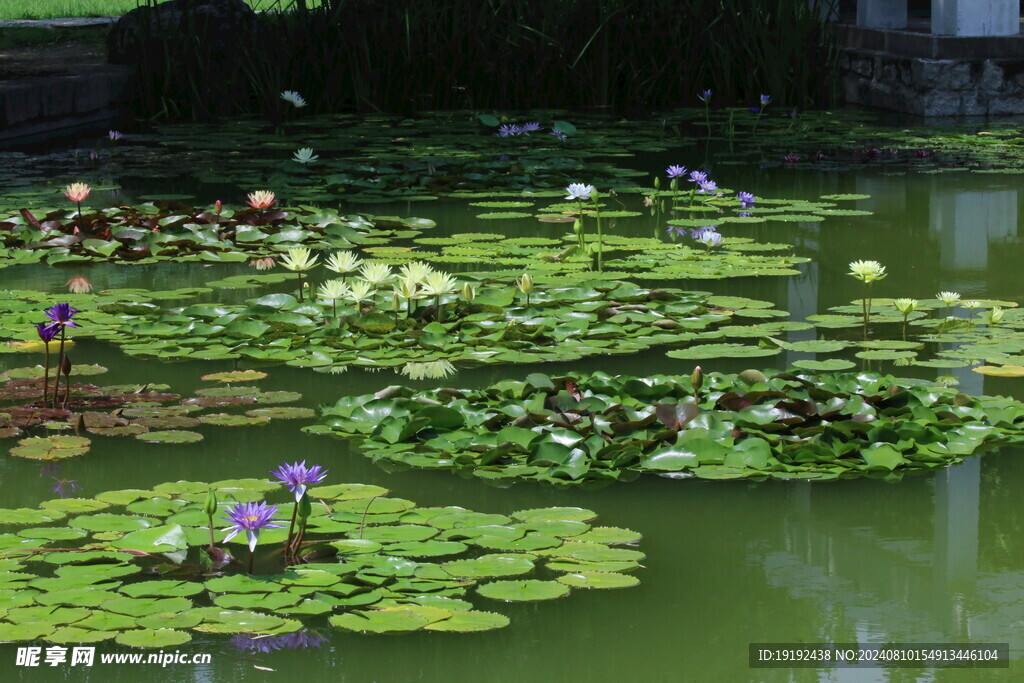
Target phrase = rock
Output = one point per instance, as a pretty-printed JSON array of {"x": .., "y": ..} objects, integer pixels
[{"x": 157, "y": 34}]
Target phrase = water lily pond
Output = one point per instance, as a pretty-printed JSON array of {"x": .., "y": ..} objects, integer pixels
[{"x": 484, "y": 378}]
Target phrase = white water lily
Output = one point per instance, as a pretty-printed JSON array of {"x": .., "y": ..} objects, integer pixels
[
  {"x": 359, "y": 291},
  {"x": 305, "y": 156},
  {"x": 971, "y": 305},
  {"x": 376, "y": 274},
  {"x": 342, "y": 262},
  {"x": 415, "y": 271},
  {"x": 299, "y": 259},
  {"x": 408, "y": 289},
  {"x": 332, "y": 290},
  {"x": 905, "y": 306},
  {"x": 579, "y": 191},
  {"x": 995, "y": 315},
  {"x": 948, "y": 298},
  {"x": 293, "y": 98},
  {"x": 867, "y": 271},
  {"x": 439, "y": 284}
]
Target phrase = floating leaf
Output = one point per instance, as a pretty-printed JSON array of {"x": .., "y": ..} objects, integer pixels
[
  {"x": 51, "y": 447},
  {"x": 598, "y": 580},
  {"x": 523, "y": 591}
]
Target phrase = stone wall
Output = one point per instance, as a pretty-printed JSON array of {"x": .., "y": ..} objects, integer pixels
[
  {"x": 933, "y": 87},
  {"x": 51, "y": 104}
]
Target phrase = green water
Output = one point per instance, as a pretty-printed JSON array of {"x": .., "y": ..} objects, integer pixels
[{"x": 933, "y": 558}]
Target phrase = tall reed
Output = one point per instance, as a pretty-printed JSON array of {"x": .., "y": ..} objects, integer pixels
[{"x": 406, "y": 55}]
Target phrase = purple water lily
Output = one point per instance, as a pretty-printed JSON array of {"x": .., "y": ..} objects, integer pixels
[
  {"x": 508, "y": 129},
  {"x": 704, "y": 96},
  {"x": 707, "y": 186},
  {"x": 297, "y": 477},
  {"x": 562, "y": 137},
  {"x": 746, "y": 199},
  {"x": 46, "y": 331},
  {"x": 675, "y": 171},
  {"x": 765, "y": 100},
  {"x": 300, "y": 640},
  {"x": 529, "y": 127},
  {"x": 63, "y": 488},
  {"x": 250, "y": 517},
  {"x": 61, "y": 315},
  {"x": 697, "y": 176}
]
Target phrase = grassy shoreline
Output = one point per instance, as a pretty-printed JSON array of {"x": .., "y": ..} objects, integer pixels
[{"x": 57, "y": 9}]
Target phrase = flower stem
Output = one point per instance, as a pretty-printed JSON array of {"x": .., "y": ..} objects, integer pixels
[
  {"x": 299, "y": 273},
  {"x": 252, "y": 556},
  {"x": 291, "y": 529},
  {"x": 60, "y": 364},
  {"x": 46, "y": 372}
]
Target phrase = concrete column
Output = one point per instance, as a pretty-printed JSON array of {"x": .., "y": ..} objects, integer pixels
[
  {"x": 975, "y": 17},
  {"x": 882, "y": 13}
]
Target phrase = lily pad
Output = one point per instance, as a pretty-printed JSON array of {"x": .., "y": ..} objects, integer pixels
[{"x": 523, "y": 591}]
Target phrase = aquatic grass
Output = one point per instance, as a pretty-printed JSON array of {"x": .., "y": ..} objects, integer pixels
[{"x": 380, "y": 56}]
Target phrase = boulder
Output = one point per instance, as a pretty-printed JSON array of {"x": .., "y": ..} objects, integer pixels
[{"x": 219, "y": 27}]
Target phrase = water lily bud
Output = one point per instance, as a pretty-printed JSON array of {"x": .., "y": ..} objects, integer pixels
[
  {"x": 674, "y": 184},
  {"x": 525, "y": 283},
  {"x": 577, "y": 226},
  {"x": 217, "y": 206},
  {"x": 210, "y": 507},
  {"x": 697, "y": 378},
  {"x": 305, "y": 508},
  {"x": 593, "y": 196},
  {"x": 995, "y": 315},
  {"x": 657, "y": 182},
  {"x": 468, "y": 292},
  {"x": 396, "y": 301}
]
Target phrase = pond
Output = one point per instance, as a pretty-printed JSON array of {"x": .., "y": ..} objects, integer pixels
[{"x": 936, "y": 556}]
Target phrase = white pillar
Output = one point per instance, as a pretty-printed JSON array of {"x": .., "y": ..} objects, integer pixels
[
  {"x": 882, "y": 13},
  {"x": 976, "y": 17}
]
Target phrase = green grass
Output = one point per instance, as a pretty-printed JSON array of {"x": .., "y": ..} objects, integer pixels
[{"x": 50, "y": 9}]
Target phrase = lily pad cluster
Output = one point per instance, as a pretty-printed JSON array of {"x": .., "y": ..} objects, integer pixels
[
  {"x": 560, "y": 323},
  {"x": 129, "y": 565},
  {"x": 578, "y": 429},
  {"x": 165, "y": 230},
  {"x": 147, "y": 413},
  {"x": 557, "y": 259}
]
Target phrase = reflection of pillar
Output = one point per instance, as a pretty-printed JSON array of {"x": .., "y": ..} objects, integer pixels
[
  {"x": 965, "y": 222},
  {"x": 887, "y": 198},
  {"x": 975, "y": 17},
  {"x": 801, "y": 301},
  {"x": 882, "y": 13},
  {"x": 957, "y": 494}
]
